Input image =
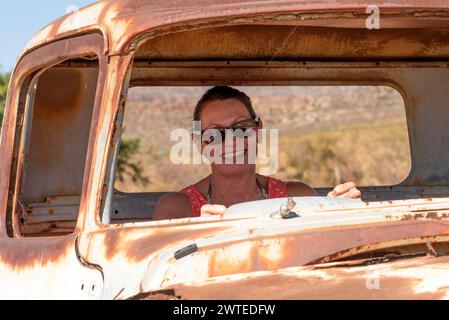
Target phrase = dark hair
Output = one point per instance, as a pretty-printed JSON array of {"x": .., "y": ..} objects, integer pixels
[{"x": 223, "y": 93}]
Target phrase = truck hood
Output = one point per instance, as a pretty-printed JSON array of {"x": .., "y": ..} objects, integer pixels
[
  {"x": 419, "y": 278},
  {"x": 323, "y": 230}
]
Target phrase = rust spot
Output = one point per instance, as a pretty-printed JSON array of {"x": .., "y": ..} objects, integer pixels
[
  {"x": 157, "y": 295},
  {"x": 412, "y": 216},
  {"x": 139, "y": 249},
  {"x": 436, "y": 216},
  {"x": 432, "y": 215},
  {"x": 19, "y": 255},
  {"x": 69, "y": 88}
]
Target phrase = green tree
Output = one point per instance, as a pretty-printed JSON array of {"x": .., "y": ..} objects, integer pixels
[
  {"x": 4, "y": 80},
  {"x": 126, "y": 167}
]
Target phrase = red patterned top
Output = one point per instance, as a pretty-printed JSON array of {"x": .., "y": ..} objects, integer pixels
[{"x": 276, "y": 189}]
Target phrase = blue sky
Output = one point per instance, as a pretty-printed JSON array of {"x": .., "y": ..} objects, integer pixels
[{"x": 20, "y": 20}]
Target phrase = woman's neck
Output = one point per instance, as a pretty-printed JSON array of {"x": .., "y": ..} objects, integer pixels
[{"x": 229, "y": 190}]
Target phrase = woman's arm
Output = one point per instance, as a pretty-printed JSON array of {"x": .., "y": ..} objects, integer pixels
[{"x": 346, "y": 190}]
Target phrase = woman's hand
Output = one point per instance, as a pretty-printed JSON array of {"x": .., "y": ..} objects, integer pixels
[
  {"x": 346, "y": 190},
  {"x": 212, "y": 210}
]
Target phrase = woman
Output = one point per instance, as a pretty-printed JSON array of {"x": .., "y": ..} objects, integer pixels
[{"x": 229, "y": 184}]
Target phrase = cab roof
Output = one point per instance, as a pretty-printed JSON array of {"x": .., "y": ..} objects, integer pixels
[{"x": 121, "y": 21}]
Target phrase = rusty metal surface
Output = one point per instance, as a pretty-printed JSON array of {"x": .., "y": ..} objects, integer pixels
[
  {"x": 122, "y": 21},
  {"x": 67, "y": 110},
  {"x": 245, "y": 243},
  {"x": 413, "y": 278},
  {"x": 13, "y": 119},
  {"x": 101, "y": 146},
  {"x": 263, "y": 42},
  {"x": 46, "y": 268},
  {"x": 37, "y": 267},
  {"x": 235, "y": 245}
]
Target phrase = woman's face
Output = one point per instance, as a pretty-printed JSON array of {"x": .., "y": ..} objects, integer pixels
[{"x": 231, "y": 113}]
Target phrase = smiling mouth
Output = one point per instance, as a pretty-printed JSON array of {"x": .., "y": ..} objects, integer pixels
[{"x": 229, "y": 157}]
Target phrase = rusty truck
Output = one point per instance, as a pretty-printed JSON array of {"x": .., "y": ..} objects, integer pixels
[{"x": 65, "y": 233}]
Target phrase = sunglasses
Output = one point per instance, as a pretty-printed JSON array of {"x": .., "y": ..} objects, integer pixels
[{"x": 241, "y": 131}]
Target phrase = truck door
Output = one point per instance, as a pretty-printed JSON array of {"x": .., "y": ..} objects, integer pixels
[{"x": 50, "y": 114}]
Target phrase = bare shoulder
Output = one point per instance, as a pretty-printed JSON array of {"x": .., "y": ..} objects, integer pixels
[
  {"x": 300, "y": 189},
  {"x": 172, "y": 206}
]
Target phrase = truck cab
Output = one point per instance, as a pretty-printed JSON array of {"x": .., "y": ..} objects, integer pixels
[{"x": 67, "y": 232}]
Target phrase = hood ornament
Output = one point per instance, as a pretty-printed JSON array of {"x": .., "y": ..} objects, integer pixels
[{"x": 286, "y": 210}]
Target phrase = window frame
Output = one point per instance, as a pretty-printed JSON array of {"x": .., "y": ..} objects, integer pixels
[
  {"x": 173, "y": 73},
  {"x": 28, "y": 68}
]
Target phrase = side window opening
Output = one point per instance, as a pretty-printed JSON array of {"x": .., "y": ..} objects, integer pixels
[{"x": 54, "y": 143}]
